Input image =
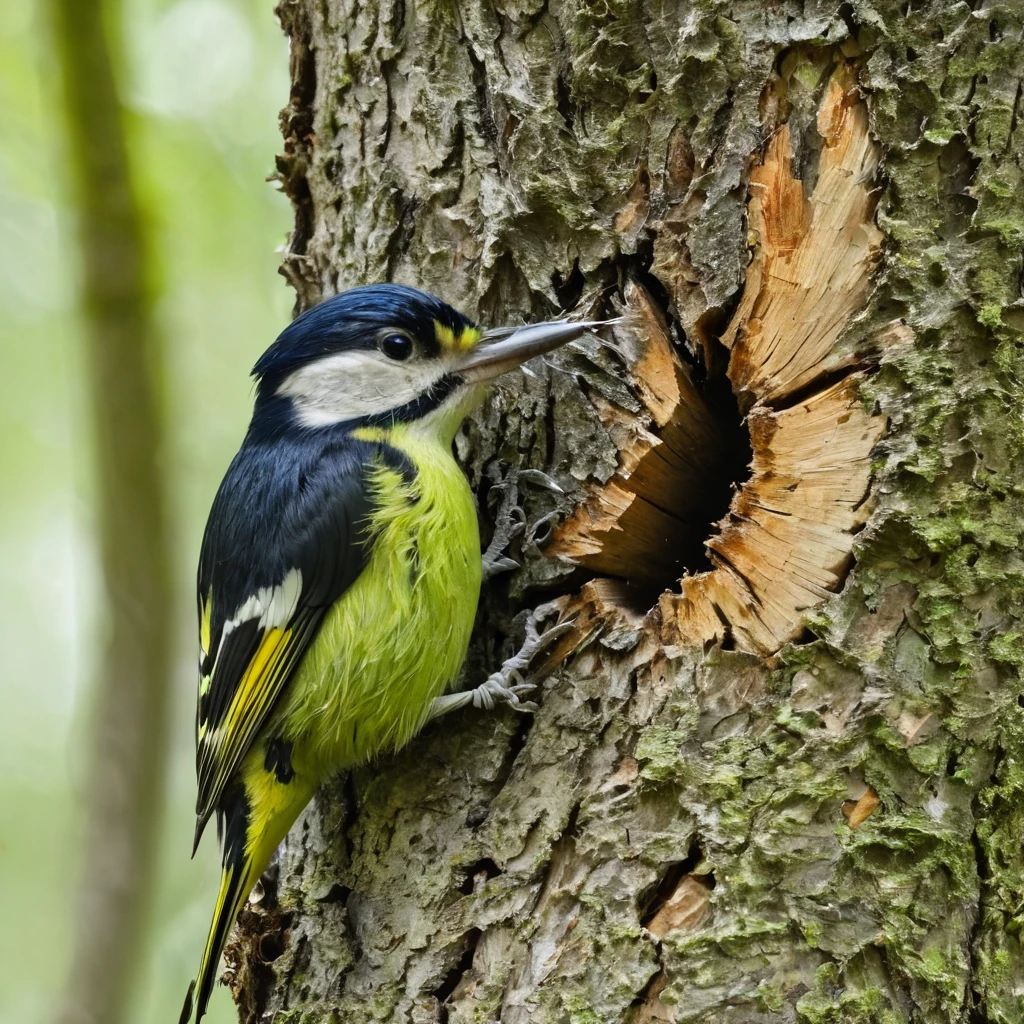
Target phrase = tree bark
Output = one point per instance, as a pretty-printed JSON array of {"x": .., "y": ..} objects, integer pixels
[
  {"x": 122, "y": 792},
  {"x": 775, "y": 774}
]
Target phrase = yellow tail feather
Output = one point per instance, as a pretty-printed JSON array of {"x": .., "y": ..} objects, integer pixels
[
  {"x": 257, "y": 814},
  {"x": 236, "y": 882}
]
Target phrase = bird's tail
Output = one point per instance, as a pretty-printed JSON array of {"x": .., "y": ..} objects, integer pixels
[
  {"x": 236, "y": 881},
  {"x": 253, "y": 817}
]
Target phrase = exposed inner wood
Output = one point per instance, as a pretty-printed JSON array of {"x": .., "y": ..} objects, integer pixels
[
  {"x": 686, "y": 909},
  {"x": 630, "y": 526},
  {"x": 857, "y": 813},
  {"x": 814, "y": 255},
  {"x": 786, "y": 542}
]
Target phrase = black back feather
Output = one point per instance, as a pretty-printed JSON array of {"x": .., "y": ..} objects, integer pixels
[{"x": 299, "y": 502}]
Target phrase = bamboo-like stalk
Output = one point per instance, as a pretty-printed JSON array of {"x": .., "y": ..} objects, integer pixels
[{"x": 128, "y": 706}]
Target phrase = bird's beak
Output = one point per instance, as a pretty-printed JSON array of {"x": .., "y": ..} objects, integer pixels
[{"x": 505, "y": 348}]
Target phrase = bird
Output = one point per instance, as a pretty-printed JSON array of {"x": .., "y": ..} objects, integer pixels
[{"x": 340, "y": 569}]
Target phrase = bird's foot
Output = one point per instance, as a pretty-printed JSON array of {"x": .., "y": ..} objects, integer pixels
[
  {"x": 500, "y": 689},
  {"x": 535, "y": 642},
  {"x": 507, "y": 686},
  {"x": 510, "y": 519}
]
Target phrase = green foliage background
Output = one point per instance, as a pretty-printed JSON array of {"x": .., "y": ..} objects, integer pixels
[{"x": 204, "y": 80}]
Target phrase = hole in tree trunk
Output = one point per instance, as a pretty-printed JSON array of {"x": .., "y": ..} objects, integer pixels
[
  {"x": 452, "y": 979},
  {"x": 736, "y": 529},
  {"x": 648, "y": 526}
]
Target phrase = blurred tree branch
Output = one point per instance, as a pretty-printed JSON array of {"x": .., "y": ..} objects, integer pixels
[{"x": 127, "y": 743}]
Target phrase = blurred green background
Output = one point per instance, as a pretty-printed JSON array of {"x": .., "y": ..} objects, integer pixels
[{"x": 204, "y": 81}]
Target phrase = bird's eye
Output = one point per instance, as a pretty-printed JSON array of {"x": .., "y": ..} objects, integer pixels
[{"x": 396, "y": 346}]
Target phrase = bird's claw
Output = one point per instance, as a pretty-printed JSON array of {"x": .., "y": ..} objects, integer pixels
[
  {"x": 509, "y": 523},
  {"x": 495, "y": 690},
  {"x": 536, "y": 641},
  {"x": 535, "y": 528},
  {"x": 507, "y": 686},
  {"x": 510, "y": 519},
  {"x": 535, "y": 476},
  {"x": 495, "y": 565},
  {"x": 497, "y": 686}
]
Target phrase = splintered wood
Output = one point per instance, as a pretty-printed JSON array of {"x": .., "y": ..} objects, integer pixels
[
  {"x": 814, "y": 256},
  {"x": 630, "y": 526},
  {"x": 786, "y": 542}
]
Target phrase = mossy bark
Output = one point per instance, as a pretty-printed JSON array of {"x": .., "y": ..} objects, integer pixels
[{"x": 827, "y": 832}]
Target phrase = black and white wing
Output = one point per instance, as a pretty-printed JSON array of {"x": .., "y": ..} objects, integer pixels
[{"x": 287, "y": 535}]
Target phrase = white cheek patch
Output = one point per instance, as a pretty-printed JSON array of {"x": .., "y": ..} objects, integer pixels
[{"x": 350, "y": 385}]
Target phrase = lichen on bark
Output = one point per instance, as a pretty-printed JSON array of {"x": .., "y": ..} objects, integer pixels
[{"x": 825, "y": 832}]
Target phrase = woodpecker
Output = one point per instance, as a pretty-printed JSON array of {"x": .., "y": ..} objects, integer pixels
[{"x": 340, "y": 569}]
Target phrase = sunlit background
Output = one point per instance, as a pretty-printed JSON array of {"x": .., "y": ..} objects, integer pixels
[{"x": 205, "y": 81}]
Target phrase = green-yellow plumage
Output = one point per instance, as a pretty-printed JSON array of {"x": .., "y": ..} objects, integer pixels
[
  {"x": 422, "y": 581},
  {"x": 365, "y": 686}
]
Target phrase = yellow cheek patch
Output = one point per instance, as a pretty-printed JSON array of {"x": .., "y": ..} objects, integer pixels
[{"x": 448, "y": 341}]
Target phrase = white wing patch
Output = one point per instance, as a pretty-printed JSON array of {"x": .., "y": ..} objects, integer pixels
[
  {"x": 273, "y": 606},
  {"x": 349, "y": 385}
]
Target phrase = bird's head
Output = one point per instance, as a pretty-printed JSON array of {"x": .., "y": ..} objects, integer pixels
[{"x": 386, "y": 354}]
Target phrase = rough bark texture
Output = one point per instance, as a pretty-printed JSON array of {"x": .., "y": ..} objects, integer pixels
[{"x": 790, "y": 787}]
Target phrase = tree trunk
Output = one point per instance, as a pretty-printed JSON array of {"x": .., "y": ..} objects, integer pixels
[
  {"x": 122, "y": 793},
  {"x": 775, "y": 774}
]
